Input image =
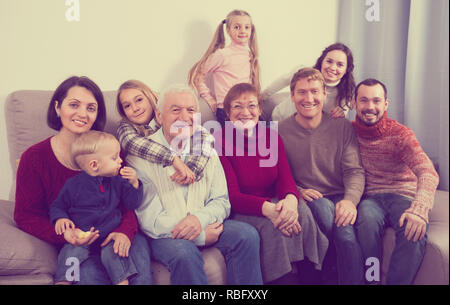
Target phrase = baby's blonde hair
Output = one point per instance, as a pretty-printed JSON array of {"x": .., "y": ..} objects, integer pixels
[
  {"x": 218, "y": 42},
  {"x": 88, "y": 143}
]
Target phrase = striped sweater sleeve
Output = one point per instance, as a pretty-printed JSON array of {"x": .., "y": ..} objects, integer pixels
[{"x": 143, "y": 147}]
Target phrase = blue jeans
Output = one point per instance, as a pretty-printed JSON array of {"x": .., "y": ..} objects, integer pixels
[
  {"x": 348, "y": 252},
  {"x": 374, "y": 214},
  {"x": 104, "y": 267},
  {"x": 238, "y": 243}
]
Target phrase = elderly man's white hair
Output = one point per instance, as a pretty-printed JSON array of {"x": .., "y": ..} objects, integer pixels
[{"x": 175, "y": 88}]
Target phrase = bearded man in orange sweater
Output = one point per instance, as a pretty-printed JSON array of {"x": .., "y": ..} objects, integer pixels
[{"x": 400, "y": 184}]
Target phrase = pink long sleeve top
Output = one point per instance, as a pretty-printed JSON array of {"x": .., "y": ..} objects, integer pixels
[{"x": 229, "y": 66}]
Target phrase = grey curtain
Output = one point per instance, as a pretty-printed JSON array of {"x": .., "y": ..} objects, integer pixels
[{"x": 405, "y": 44}]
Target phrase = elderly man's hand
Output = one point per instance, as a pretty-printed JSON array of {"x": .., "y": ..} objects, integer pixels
[
  {"x": 188, "y": 228},
  {"x": 212, "y": 233}
]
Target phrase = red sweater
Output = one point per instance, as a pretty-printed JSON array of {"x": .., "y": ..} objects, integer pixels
[
  {"x": 40, "y": 177},
  {"x": 249, "y": 183},
  {"x": 395, "y": 163}
]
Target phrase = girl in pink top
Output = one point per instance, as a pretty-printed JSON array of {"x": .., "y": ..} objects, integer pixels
[{"x": 236, "y": 63}]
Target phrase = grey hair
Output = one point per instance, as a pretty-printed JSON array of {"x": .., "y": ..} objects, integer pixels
[{"x": 176, "y": 88}]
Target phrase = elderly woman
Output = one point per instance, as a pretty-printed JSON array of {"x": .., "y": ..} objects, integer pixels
[
  {"x": 77, "y": 106},
  {"x": 261, "y": 188}
]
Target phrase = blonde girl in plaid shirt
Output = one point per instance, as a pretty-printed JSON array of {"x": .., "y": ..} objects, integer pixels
[{"x": 136, "y": 103}]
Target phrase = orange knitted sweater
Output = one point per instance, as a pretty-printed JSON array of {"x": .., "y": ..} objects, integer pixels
[{"x": 396, "y": 163}]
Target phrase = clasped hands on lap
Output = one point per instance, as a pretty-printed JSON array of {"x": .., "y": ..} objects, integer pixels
[
  {"x": 189, "y": 228},
  {"x": 283, "y": 215}
]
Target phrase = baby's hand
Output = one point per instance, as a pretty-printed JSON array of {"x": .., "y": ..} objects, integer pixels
[
  {"x": 130, "y": 174},
  {"x": 78, "y": 237},
  {"x": 63, "y": 224}
]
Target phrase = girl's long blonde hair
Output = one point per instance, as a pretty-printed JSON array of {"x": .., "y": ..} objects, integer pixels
[
  {"x": 218, "y": 42},
  {"x": 146, "y": 91}
]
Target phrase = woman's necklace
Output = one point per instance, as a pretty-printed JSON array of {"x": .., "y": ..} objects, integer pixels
[{"x": 62, "y": 153}]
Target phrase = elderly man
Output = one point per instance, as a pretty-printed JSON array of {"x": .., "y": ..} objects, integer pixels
[
  {"x": 324, "y": 158},
  {"x": 400, "y": 184},
  {"x": 180, "y": 218}
]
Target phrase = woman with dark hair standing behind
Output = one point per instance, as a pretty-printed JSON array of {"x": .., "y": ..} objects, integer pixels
[
  {"x": 336, "y": 65},
  {"x": 76, "y": 106}
]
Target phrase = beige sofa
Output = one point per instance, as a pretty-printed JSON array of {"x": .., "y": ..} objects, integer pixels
[{"x": 25, "y": 259}]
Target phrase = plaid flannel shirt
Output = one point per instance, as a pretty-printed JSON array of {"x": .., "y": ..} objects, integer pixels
[{"x": 135, "y": 144}]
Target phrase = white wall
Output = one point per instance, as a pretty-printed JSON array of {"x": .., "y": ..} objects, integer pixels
[{"x": 155, "y": 41}]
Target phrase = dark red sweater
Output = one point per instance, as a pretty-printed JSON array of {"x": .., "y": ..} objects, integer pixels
[
  {"x": 250, "y": 183},
  {"x": 40, "y": 177}
]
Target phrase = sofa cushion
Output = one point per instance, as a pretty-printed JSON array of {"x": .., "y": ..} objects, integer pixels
[{"x": 20, "y": 253}]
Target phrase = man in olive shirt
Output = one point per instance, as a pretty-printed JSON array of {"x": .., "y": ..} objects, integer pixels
[{"x": 325, "y": 162}]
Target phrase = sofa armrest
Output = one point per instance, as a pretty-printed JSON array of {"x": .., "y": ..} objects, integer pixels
[{"x": 22, "y": 254}]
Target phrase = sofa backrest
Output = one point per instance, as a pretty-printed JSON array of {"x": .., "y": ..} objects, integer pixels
[{"x": 26, "y": 122}]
